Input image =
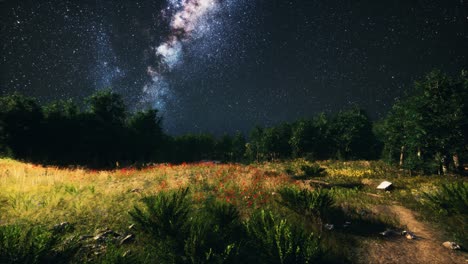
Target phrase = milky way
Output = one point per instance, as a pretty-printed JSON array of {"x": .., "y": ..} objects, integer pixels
[
  {"x": 225, "y": 65},
  {"x": 189, "y": 20}
]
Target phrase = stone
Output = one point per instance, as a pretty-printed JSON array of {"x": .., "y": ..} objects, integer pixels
[
  {"x": 385, "y": 185},
  {"x": 408, "y": 235},
  {"x": 451, "y": 245}
]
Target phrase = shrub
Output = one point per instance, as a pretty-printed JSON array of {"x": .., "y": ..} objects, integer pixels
[
  {"x": 451, "y": 199},
  {"x": 166, "y": 219},
  {"x": 313, "y": 170},
  {"x": 184, "y": 235},
  {"x": 36, "y": 245},
  {"x": 274, "y": 240},
  {"x": 305, "y": 202}
]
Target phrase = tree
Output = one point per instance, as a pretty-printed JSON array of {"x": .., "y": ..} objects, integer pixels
[
  {"x": 429, "y": 126},
  {"x": 104, "y": 127},
  {"x": 255, "y": 148},
  {"x": 21, "y": 126},
  {"x": 238, "y": 146},
  {"x": 353, "y": 135},
  {"x": 303, "y": 138},
  {"x": 62, "y": 132},
  {"x": 146, "y": 136}
]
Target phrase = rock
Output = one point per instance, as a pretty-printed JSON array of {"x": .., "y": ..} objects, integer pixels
[
  {"x": 451, "y": 245},
  {"x": 408, "y": 235},
  {"x": 385, "y": 185},
  {"x": 127, "y": 239},
  {"x": 329, "y": 226}
]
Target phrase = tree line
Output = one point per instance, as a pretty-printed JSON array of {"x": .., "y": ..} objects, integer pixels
[{"x": 426, "y": 131}]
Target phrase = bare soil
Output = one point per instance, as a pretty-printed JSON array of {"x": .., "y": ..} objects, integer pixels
[{"x": 426, "y": 248}]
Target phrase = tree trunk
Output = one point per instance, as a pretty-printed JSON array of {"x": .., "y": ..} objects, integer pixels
[
  {"x": 402, "y": 155},
  {"x": 456, "y": 161},
  {"x": 445, "y": 164}
]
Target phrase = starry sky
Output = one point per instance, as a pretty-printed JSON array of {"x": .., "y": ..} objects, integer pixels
[{"x": 226, "y": 65}]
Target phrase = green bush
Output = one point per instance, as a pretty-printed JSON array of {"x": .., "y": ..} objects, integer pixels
[
  {"x": 450, "y": 199},
  {"x": 215, "y": 233},
  {"x": 313, "y": 170},
  {"x": 182, "y": 234},
  {"x": 35, "y": 245},
  {"x": 166, "y": 220},
  {"x": 305, "y": 202},
  {"x": 274, "y": 240}
]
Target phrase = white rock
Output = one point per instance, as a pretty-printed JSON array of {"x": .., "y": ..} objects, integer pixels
[
  {"x": 451, "y": 245},
  {"x": 385, "y": 185}
]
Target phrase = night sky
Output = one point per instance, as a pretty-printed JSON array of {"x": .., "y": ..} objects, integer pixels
[{"x": 225, "y": 65}]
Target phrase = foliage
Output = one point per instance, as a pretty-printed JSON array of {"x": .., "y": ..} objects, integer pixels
[
  {"x": 275, "y": 240},
  {"x": 428, "y": 125},
  {"x": 34, "y": 245},
  {"x": 183, "y": 236},
  {"x": 305, "y": 202},
  {"x": 352, "y": 135},
  {"x": 167, "y": 214},
  {"x": 313, "y": 170},
  {"x": 215, "y": 233},
  {"x": 450, "y": 199}
]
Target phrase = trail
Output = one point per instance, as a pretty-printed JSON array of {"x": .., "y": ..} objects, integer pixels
[{"x": 426, "y": 248}]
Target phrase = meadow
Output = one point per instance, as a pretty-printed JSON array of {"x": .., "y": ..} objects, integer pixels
[{"x": 293, "y": 211}]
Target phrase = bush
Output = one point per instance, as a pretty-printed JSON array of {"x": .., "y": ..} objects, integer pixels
[
  {"x": 451, "y": 199},
  {"x": 274, "y": 240},
  {"x": 313, "y": 170},
  {"x": 182, "y": 234},
  {"x": 36, "y": 245},
  {"x": 215, "y": 233},
  {"x": 305, "y": 202},
  {"x": 166, "y": 220}
]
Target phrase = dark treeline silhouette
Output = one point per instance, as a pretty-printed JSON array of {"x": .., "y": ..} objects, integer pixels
[{"x": 427, "y": 131}]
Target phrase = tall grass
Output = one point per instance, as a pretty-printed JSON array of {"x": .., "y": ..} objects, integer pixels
[{"x": 33, "y": 245}]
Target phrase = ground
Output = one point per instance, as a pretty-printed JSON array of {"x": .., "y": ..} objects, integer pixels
[{"x": 426, "y": 248}]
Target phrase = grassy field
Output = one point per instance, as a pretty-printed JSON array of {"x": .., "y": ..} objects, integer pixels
[{"x": 272, "y": 204}]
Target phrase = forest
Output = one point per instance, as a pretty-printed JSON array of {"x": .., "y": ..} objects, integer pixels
[{"x": 426, "y": 131}]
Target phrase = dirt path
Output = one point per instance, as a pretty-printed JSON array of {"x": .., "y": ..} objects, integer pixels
[{"x": 427, "y": 248}]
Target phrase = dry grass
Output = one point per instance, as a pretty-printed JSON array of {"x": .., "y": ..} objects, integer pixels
[{"x": 93, "y": 199}]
